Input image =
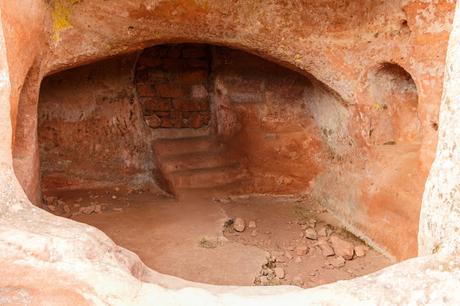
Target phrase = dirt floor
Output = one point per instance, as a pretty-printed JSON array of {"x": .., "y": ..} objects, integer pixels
[{"x": 256, "y": 240}]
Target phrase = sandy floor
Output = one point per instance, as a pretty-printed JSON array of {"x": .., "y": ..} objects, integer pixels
[{"x": 194, "y": 237}]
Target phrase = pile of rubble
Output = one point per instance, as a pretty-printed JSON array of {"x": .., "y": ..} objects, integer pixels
[
  {"x": 337, "y": 246},
  {"x": 65, "y": 209}
]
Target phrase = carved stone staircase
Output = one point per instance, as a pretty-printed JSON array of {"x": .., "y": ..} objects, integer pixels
[{"x": 197, "y": 164}]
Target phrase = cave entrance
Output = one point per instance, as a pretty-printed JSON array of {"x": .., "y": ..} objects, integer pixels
[{"x": 218, "y": 166}]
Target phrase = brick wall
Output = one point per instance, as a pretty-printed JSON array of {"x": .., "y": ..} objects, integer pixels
[{"x": 172, "y": 86}]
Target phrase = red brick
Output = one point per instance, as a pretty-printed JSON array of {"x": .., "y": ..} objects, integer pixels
[
  {"x": 166, "y": 123},
  {"x": 157, "y": 105},
  {"x": 198, "y": 63},
  {"x": 194, "y": 52},
  {"x": 153, "y": 121},
  {"x": 189, "y": 106},
  {"x": 147, "y": 61},
  {"x": 199, "y": 119},
  {"x": 157, "y": 76},
  {"x": 145, "y": 90},
  {"x": 174, "y": 64},
  {"x": 142, "y": 75},
  {"x": 194, "y": 77},
  {"x": 170, "y": 91},
  {"x": 163, "y": 114}
]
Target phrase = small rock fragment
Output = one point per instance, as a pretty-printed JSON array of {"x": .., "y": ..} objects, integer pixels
[
  {"x": 67, "y": 209},
  {"x": 298, "y": 260},
  {"x": 360, "y": 250},
  {"x": 312, "y": 222},
  {"x": 288, "y": 255},
  {"x": 263, "y": 280},
  {"x": 52, "y": 207},
  {"x": 49, "y": 200},
  {"x": 322, "y": 232},
  {"x": 114, "y": 197},
  {"x": 297, "y": 281},
  {"x": 97, "y": 208},
  {"x": 311, "y": 234},
  {"x": 279, "y": 272},
  {"x": 342, "y": 247},
  {"x": 336, "y": 262},
  {"x": 252, "y": 224},
  {"x": 326, "y": 249},
  {"x": 87, "y": 210},
  {"x": 254, "y": 233},
  {"x": 238, "y": 225},
  {"x": 301, "y": 250},
  {"x": 118, "y": 209}
]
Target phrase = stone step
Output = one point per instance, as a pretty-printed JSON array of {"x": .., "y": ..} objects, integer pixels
[
  {"x": 196, "y": 160},
  {"x": 168, "y": 147},
  {"x": 236, "y": 187},
  {"x": 206, "y": 177}
]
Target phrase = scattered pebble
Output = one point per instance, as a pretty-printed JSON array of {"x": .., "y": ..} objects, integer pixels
[
  {"x": 279, "y": 272},
  {"x": 263, "y": 280},
  {"x": 254, "y": 233},
  {"x": 114, "y": 197},
  {"x": 311, "y": 234},
  {"x": 252, "y": 224},
  {"x": 297, "y": 281},
  {"x": 326, "y": 249},
  {"x": 67, "y": 209},
  {"x": 336, "y": 262},
  {"x": 52, "y": 207},
  {"x": 298, "y": 260},
  {"x": 301, "y": 250},
  {"x": 360, "y": 250},
  {"x": 97, "y": 208},
  {"x": 322, "y": 232},
  {"x": 119, "y": 209},
  {"x": 238, "y": 225},
  {"x": 87, "y": 210},
  {"x": 342, "y": 247}
]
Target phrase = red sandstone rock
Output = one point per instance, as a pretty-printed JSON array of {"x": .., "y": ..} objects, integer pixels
[
  {"x": 336, "y": 262},
  {"x": 301, "y": 250},
  {"x": 342, "y": 248},
  {"x": 326, "y": 249},
  {"x": 153, "y": 121},
  {"x": 360, "y": 250},
  {"x": 239, "y": 225}
]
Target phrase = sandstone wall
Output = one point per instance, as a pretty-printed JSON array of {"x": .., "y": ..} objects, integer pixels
[
  {"x": 262, "y": 112},
  {"x": 91, "y": 128},
  {"x": 77, "y": 258}
]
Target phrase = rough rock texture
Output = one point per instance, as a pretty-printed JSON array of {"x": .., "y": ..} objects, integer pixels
[
  {"x": 341, "y": 50},
  {"x": 91, "y": 129},
  {"x": 439, "y": 226},
  {"x": 351, "y": 56}
]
